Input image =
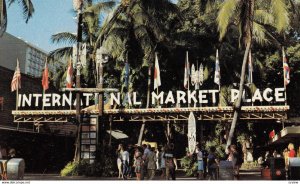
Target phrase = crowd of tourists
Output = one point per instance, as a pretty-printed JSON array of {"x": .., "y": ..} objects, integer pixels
[
  {"x": 143, "y": 162},
  {"x": 287, "y": 153}
]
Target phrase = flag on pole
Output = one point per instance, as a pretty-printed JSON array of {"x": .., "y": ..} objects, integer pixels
[
  {"x": 69, "y": 77},
  {"x": 250, "y": 69},
  {"x": 217, "y": 70},
  {"x": 157, "y": 81},
  {"x": 186, "y": 71},
  {"x": 286, "y": 69},
  {"x": 193, "y": 75},
  {"x": 16, "y": 81},
  {"x": 45, "y": 80}
]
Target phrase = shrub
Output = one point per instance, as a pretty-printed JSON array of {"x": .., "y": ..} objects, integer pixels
[{"x": 189, "y": 165}]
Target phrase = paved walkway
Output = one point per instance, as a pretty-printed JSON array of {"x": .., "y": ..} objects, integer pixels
[{"x": 244, "y": 175}]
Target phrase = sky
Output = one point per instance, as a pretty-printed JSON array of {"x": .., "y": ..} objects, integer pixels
[{"x": 50, "y": 17}]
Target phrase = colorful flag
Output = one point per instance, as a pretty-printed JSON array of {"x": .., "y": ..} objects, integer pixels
[
  {"x": 157, "y": 81},
  {"x": 16, "y": 81},
  {"x": 217, "y": 70},
  {"x": 69, "y": 77},
  {"x": 286, "y": 69},
  {"x": 186, "y": 71},
  {"x": 250, "y": 69},
  {"x": 127, "y": 74},
  {"x": 45, "y": 80}
]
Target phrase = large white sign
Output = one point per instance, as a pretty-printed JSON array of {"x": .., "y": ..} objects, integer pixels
[{"x": 168, "y": 98}]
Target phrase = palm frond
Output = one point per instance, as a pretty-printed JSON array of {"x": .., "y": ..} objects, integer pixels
[
  {"x": 64, "y": 38},
  {"x": 226, "y": 12},
  {"x": 27, "y": 7},
  {"x": 61, "y": 52},
  {"x": 279, "y": 10},
  {"x": 100, "y": 7},
  {"x": 264, "y": 17},
  {"x": 259, "y": 34}
]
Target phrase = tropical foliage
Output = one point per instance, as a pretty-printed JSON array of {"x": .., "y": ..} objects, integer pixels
[{"x": 27, "y": 8}]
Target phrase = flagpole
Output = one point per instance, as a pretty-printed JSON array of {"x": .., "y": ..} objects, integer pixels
[
  {"x": 188, "y": 68},
  {"x": 43, "y": 99},
  {"x": 284, "y": 83}
]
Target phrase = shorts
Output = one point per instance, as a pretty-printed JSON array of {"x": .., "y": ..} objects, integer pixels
[{"x": 200, "y": 165}]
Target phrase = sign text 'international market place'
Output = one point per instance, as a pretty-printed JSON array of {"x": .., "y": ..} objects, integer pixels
[{"x": 171, "y": 97}]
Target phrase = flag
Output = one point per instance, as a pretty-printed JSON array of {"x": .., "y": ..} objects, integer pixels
[
  {"x": 127, "y": 74},
  {"x": 45, "y": 80},
  {"x": 217, "y": 70},
  {"x": 157, "y": 81},
  {"x": 286, "y": 69},
  {"x": 272, "y": 134},
  {"x": 16, "y": 81},
  {"x": 193, "y": 75},
  {"x": 186, "y": 71},
  {"x": 69, "y": 77},
  {"x": 250, "y": 69}
]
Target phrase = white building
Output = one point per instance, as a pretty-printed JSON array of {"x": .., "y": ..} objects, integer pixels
[{"x": 32, "y": 59}]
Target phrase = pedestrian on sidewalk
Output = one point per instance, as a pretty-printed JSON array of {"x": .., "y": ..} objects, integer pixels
[
  {"x": 125, "y": 161},
  {"x": 200, "y": 163},
  {"x": 151, "y": 164},
  {"x": 212, "y": 164},
  {"x": 171, "y": 162},
  {"x": 119, "y": 161},
  {"x": 138, "y": 163},
  {"x": 236, "y": 159},
  {"x": 162, "y": 163}
]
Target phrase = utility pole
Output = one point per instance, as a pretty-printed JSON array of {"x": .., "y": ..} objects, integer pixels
[{"x": 78, "y": 6}]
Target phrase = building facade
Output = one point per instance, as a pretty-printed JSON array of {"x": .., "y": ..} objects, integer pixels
[{"x": 31, "y": 58}]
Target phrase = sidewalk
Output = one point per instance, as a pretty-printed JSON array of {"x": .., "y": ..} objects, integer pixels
[{"x": 244, "y": 175}]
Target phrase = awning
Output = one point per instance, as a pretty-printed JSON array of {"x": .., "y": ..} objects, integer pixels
[{"x": 117, "y": 134}]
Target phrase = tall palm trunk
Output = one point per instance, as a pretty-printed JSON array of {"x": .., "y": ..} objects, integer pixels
[
  {"x": 147, "y": 105},
  {"x": 237, "y": 106},
  {"x": 246, "y": 38}
]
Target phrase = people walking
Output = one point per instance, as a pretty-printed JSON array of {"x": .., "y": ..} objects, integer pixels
[
  {"x": 212, "y": 164},
  {"x": 200, "y": 163},
  {"x": 138, "y": 163},
  {"x": 145, "y": 155},
  {"x": 119, "y": 161},
  {"x": 292, "y": 152},
  {"x": 162, "y": 163},
  {"x": 235, "y": 157},
  {"x": 171, "y": 162},
  {"x": 151, "y": 164},
  {"x": 125, "y": 161}
]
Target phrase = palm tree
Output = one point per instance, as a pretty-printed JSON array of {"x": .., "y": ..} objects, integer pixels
[
  {"x": 251, "y": 17},
  {"x": 27, "y": 7},
  {"x": 91, "y": 28},
  {"x": 137, "y": 29}
]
